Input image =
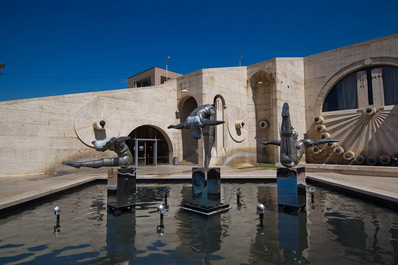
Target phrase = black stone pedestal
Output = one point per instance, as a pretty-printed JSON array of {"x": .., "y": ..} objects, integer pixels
[
  {"x": 291, "y": 188},
  {"x": 206, "y": 184},
  {"x": 125, "y": 198}
]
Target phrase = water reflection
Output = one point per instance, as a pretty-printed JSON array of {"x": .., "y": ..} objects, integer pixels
[
  {"x": 265, "y": 247},
  {"x": 201, "y": 233},
  {"x": 120, "y": 238},
  {"x": 292, "y": 236},
  {"x": 335, "y": 229}
]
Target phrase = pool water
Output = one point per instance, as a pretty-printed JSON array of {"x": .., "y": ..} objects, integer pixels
[{"x": 335, "y": 229}]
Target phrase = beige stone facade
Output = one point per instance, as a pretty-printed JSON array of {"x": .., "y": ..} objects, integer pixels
[{"x": 36, "y": 135}]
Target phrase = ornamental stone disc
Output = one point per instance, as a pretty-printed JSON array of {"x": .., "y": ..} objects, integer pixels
[
  {"x": 237, "y": 124},
  {"x": 88, "y": 125}
]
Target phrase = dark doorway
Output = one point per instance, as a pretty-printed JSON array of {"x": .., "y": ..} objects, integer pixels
[{"x": 151, "y": 143}]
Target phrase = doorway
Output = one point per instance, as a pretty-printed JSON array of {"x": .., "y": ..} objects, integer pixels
[{"x": 149, "y": 146}]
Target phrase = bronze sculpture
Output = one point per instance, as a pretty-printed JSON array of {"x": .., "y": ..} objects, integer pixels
[
  {"x": 115, "y": 144},
  {"x": 292, "y": 149},
  {"x": 202, "y": 121}
]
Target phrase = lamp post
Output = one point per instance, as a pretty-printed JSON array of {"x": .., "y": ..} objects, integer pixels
[{"x": 167, "y": 67}]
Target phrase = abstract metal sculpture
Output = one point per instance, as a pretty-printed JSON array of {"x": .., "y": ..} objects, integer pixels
[
  {"x": 293, "y": 149},
  {"x": 201, "y": 121},
  {"x": 115, "y": 144}
]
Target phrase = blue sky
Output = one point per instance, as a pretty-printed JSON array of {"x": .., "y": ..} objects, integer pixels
[{"x": 61, "y": 47}]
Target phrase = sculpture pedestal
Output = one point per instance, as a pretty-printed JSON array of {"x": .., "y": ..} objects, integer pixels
[
  {"x": 112, "y": 181},
  {"x": 206, "y": 184},
  {"x": 291, "y": 188},
  {"x": 125, "y": 199}
]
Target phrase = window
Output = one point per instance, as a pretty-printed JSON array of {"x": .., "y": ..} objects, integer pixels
[
  {"x": 343, "y": 95},
  {"x": 390, "y": 84},
  {"x": 376, "y": 86}
]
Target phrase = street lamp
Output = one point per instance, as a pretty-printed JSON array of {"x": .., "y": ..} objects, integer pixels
[{"x": 167, "y": 66}]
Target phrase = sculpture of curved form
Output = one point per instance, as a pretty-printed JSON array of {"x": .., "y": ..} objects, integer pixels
[
  {"x": 115, "y": 144},
  {"x": 293, "y": 149},
  {"x": 201, "y": 121}
]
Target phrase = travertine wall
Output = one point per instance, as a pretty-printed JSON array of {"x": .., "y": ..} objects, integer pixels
[
  {"x": 36, "y": 135},
  {"x": 324, "y": 70},
  {"x": 229, "y": 84},
  {"x": 284, "y": 78},
  {"x": 359, "y": 134}
]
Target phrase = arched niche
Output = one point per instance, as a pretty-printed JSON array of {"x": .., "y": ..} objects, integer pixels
[
  {"x": 189, "y": 145},
  {"x": 262, "y": 84},
  {"x": 219, "y": 145}
]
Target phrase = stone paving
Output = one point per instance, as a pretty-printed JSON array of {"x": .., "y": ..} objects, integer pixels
[{"x": 19, "y": 189}]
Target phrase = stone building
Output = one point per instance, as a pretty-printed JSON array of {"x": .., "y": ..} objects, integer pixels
[
  {"x": 151, "y": 77},
  {"x": 348, "y": 94}
]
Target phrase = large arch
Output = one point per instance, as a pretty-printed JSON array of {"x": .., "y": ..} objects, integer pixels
[
  {"x": 262, "y": 85},
  {"x": 345, "y": 71},
  {"x": 153, "y": 144},
  {"x": 189, "y": 145},
  {"x": 365, "y": 129}
]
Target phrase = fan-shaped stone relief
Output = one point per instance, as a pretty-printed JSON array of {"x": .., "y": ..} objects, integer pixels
[
  {"x": 97, "y": 120},
  {"x": 366, "y": 136}
]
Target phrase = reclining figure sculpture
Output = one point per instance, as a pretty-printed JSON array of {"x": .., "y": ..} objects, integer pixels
[
  {"x": 201, "y": 121},
  {"x": 293, "y": 149},
  {"x": 115, "y": 144}
]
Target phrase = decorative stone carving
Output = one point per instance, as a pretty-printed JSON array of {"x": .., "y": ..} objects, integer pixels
[
  {"x": 89, "y": 118},
  {"x": 236, "y": 124}
]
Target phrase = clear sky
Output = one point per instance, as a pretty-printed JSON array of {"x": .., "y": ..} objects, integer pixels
[{"x": 54, "y": 47}]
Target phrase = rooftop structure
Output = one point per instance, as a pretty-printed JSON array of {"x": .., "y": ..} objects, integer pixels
[{"x": 152, "y": 77}]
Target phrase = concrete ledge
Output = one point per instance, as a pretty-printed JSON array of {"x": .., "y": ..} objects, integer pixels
[
  {"x": 351, "y": 169},
  {"x": 367, "y": 193},
  {"x": 15, "y": 200}
]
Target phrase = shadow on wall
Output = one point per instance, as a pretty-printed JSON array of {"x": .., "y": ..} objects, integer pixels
[
  {"x": 189, "y": 145},
  {"x": 262, "y": 83}
]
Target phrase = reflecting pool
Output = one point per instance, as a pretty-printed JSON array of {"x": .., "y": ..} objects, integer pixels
[{"x": 335, "y": 229}]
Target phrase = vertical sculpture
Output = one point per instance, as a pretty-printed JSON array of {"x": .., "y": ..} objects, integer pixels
[
  {"x": 202, "y": 121},
  {"x": 292, "y": 149},
  {"x": 205, "y": 181},
  {"x": 291, "y": 181}
]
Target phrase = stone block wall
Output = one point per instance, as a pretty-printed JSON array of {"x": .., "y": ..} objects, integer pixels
[{"x": 36, "y": 135}]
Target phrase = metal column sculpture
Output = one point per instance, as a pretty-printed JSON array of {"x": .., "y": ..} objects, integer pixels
[
  {"x": 291, "y": 181},
  {"x": 205, "y": 181}
]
